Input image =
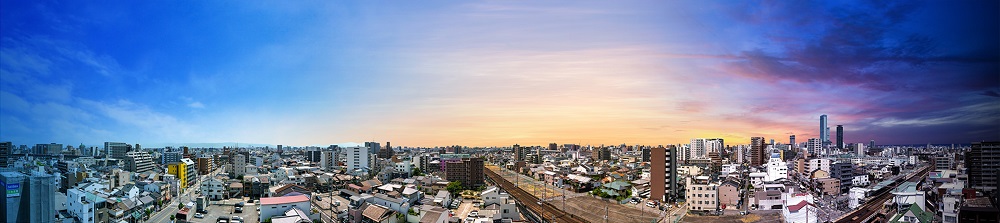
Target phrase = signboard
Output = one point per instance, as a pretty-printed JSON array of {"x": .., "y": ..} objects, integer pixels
[{"x": 13, "y": 190}]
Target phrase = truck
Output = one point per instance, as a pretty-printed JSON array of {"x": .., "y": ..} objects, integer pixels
[{"x": 200, "y": 204}]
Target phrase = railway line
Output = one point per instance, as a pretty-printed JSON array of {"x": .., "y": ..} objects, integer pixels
[
  {"x": 543, "y": 210},
  {"x": 869, "y": 209}
]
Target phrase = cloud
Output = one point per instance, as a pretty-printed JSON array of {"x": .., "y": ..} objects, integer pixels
[{"x": 196, "y": 105}]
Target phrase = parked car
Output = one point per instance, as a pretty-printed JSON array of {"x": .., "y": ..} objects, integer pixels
[
  {"x": 199, "y": 215},
  {"x": 239, "y": 209}
]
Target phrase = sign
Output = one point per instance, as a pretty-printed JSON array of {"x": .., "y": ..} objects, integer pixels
[{"x": 13, "y": 190}]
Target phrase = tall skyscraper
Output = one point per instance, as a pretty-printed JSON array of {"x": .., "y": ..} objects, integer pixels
[
  {"x": 663, "y": 174},
  {"x": 871, "y": 144},
  {"x": 983, "y": 161},
  {"x": 840, "y": 136},
  {"x": 757, "y": 155},
  {"x": 824, "y": 131}
]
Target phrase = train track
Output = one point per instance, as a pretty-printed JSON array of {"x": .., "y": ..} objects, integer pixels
[
  {"x": 547, "y": 212},
  {"x": 865, "y": 212}
]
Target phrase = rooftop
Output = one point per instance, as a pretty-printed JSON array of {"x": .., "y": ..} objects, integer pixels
[{"x": 283, "y": 200}]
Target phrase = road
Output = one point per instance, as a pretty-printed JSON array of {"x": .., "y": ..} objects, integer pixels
[{"x": 171, "y": 208}]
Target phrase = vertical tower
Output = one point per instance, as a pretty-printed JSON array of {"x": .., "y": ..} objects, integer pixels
[
  {"x": 757, "y": 154},
  {"x": 663, "y": 173},
  {"x": 840, "y": 136},
  {"x": 824, "y": 132},
  {"x": 791, "y": 141}
]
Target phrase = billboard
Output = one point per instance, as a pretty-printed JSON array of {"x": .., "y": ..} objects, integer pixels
[{"x": 13, "y": 190}]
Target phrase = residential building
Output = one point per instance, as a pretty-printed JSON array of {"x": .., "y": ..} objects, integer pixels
[
  {"x": 239, "y": 165},
  {"x": 843, "y": 171},
  {"x": 358, "y": 159},
  {"x": 138, "y": 162},
  {"x": 814, "y": 146},
  {"x": 757, "y": 153},
  {"x": 213, "y": 189},
  {"x": 170, "y": 157},
  {"x": 983, "y": 162},
  {"x": 729, "y": 195},
  {"x": 205, "y": 165},
  {"x": 840, "y": 136},
  {"x": 277, "y": 206},
  {"x": 328, "y": 161},
  {"x": 469, "y": 171},
  {"x": 943, "y": 162},
  {"x": 185, "y": 172},
  {"x": 828, "y": 186},
  {"x": 6, "y": 149},
  {"x": 86, "y": 207},
  {"x": 776, "y": 168},
  {"x": 663, "y": 174},
  {"x": 702, "y": 195},
  {"x": 602, "y": 153}
]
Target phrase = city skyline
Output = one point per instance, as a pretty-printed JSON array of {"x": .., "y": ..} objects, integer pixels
[{"x": 498, "y": 73}]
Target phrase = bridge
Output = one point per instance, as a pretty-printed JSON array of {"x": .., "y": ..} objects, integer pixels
[
  {"x": 868, "y": 211},
  {"x": 532, "y": 207}
]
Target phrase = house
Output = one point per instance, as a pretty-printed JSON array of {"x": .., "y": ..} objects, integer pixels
[
  {"x": 729, "y": 194},
  {"x": 493, "y": 195},
  {"x": 277, "y": 206},
  {"x": 442, "y": 198},
  {"x": 377, "y": 213},
  {"x": 913, "y": 214},
  {"x": 800, "y": 209},
  {"x": 214, "y": 189}
]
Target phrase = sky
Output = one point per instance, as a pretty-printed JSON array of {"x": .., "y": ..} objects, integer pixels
[{"x": 497, "y": 73}]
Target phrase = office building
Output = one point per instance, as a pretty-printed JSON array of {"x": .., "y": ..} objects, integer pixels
[
  {"x": 6, "y": 149},
  {"x": 314, "y": 155},
  {"x": 871, "y": 144},
  {"x": 757, "y": 154},
  {"x": 860, "y": 149},
  {"x": 698, "y": 149},
  {"x": 553, "y": 146},
  {"x": 645, "y": 154},
  {"x": 602, "y": 153},
  {"x": 138, "y": 162},
  {"x": 520, "y": 153},
  {"x": 840, "y": 136},
  {"x": 205, "y": 165},
  {"x": 824, "y": 131},
  {"x": 358, "y": 159},
  {"x": 663, "y": 174},
  {"x": 469, "y": 171},
  {"x": 30, "y": 198},
  {"x": 170, "y": 157},
  {"x": 117, "y": 150},
  {"x": 983, "y": 162},
  {"x": 373, "y": 147}
]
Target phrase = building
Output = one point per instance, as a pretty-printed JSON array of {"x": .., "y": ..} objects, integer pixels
[
  {"x": 702, "y": 195},
  {"x": 520, "y": 153},
  {"x": 602, "y": 153},
  {"x": 277, "y": 206},
  {"x": 663, "y": 174},
  {"x": 824, "y": 130},
  {"x": 205, "y": 165},
  {"x": 698, "y": 150},
  {"x": 828, "y": 186},
  {"x": 30, "y": 198},
  {"x": 213, "y": 189},
  {"x": 48, "y": 149},
  {"x": 791, "y": 141},
  {"x": 757, "y": 154},
  {"x": 138, "y": 162},
  {"x": 983, "y": 162},
  {"x": 645, "y": 154},
  {"x": 840, "y": 136},
  {"x": 239, "y": 165},
  {"x": 814, "y": 146},
  {"x": 469, "y": 171},
  {"x": 358, "y": 159},
  {"x": 170, "y": 157},
  {"x": 328, "y": 160},
  {"x": 185, "y": 172},
  {"x": 314, "y": 155},
  {"x": 6, "y": 149},
  {"x": 843, "y": 171},
  {"x": 117, "y": 150},
  {"x": 86, "y": 207},
  {"x": 776, "y": 168},
  {"x": 729, "y": 195}
]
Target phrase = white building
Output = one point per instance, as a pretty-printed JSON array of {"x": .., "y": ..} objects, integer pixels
[
  {"x": 776, "y": 168},
  {"x": 730, "y": 168},
  {"x": 819, "y": 164},
  {"x": 277, "y": 206},
  {"x": 358, "y": 159},
  {"x": 860, "y": 180},
  {"x": 698, "y": 149},
  {"x": 856, "y": 196},
  {"x": 757, "y": 179},
  {"x": 83, "y": 205},
  {"x": 327, "y": 161},
  {"x": 213, "y": 189},
  {"x": 239, "y": 165},
  {"x": 138, "y": 162},
  {"x": 906, "y": 194},
  {"x": 799, "y": 208},
  {"x": 860, "y": 149},
  {"x": 493, "y": 195}
]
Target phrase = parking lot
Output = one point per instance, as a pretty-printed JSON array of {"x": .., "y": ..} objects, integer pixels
[{"x": 226, "y": 208}]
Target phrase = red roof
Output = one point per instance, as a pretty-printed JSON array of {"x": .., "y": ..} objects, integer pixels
[
  {"x": 796, "y": 207},
  {"x": 283, "y": 200}
]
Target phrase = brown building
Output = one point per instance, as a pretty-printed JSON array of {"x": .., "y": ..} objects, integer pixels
[
  {"x": 829, "y": 186},
  {"x": 663, "y": 174},
  {"x": 205, "y": 165},
  {"x": 757, "y": 153},
  {"x": 469, "y": 171},
  {"x": 602, "y": 153},
  {"x": 729, "y": 195}
]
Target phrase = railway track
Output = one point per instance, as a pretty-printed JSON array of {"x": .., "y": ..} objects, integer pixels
[
  {"x": 544, "y": 210},
  {"x": 866, "y": 211}
]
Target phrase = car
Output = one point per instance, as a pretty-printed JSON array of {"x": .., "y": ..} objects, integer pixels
[
  {"x": 239, "y": 204},
  {"x": 236, "y": 218},
  {"x": 239, "y": 210},
  {"x": 474, "y": 214},
  {"x": 203, "y": 211},
  {"x": 199, "y": 215}
]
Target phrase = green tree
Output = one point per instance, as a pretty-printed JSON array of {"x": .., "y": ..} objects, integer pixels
[
  {"x": 268, "y": 220},
  {"x": 180, "y": 206},
  {"x": 172, "y": 217},
  {"x": 454, "y": 187}
]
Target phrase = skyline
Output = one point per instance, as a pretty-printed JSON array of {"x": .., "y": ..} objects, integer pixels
[{"x": 498, "y": 73}]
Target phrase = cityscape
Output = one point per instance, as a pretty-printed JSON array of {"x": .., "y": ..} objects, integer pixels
[{"x": 500, "y": 112}]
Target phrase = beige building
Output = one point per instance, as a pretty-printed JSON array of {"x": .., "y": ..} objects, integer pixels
[
  {"x": 702, "y": 195},
  {"x": 729, "y": 195},
  {"x": 828, "y": 186}
]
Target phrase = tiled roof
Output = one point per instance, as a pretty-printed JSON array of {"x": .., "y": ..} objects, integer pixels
[
  {"x": 283, "y": 200},
  {"x": 796, "y": 207}
]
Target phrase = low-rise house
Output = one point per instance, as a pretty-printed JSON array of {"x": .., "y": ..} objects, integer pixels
[{"x": 729, "y": 195}]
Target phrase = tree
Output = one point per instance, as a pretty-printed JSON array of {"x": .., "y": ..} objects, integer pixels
[
  {"x": 417, "y": 172},
  {"x": 180, "y": 206},
  {"x": 172, "y": 217},
  {"x": 481, "y": 188},
  {"x": 454, "y": 187},
  {"x": 268, "y": 220}
]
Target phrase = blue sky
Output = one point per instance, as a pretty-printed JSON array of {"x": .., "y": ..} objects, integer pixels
[{"x": 496, "y": 73}]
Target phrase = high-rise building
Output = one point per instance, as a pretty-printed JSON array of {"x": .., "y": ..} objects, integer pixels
[
  {"x": 373, "y": 147},
  {"x": 698, "y": 150},
  {"x": 813, "y": 146},
  {"x": 358, "y": 159},
  {"x": 645, "y": 154},
  {"x": 824, "y": 131},
  {"x": 328, "y": 160},
  {"x": 553, "y": 146},
  {"x": 313, "y": 155},
  {"x": 757, "y": 154},
  {"x": 519, "y": 153},
  {"x": 860, "y": 147},
  {"x": 48, "y": 149},
  {"x": 138, "y": 162},
  {"x": 663, "y": 174},
  {"x": 602, "y": 153},
  {"x": 6, "y": 149},
  {"x": 239, "y": 167},
  {"x": 840, "y": 136},
  {"x": 469, "y": 171},
  {"x": 871, "y": 144},
  {"x": 791, "y": 141},
  {"x": 983, "y": 162},
  {"x": 170, "y": 157},
  {"x": 206, "y": 165},
  {"x": 30, "y": 198},
  {"x": 117, "y": 150}
]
